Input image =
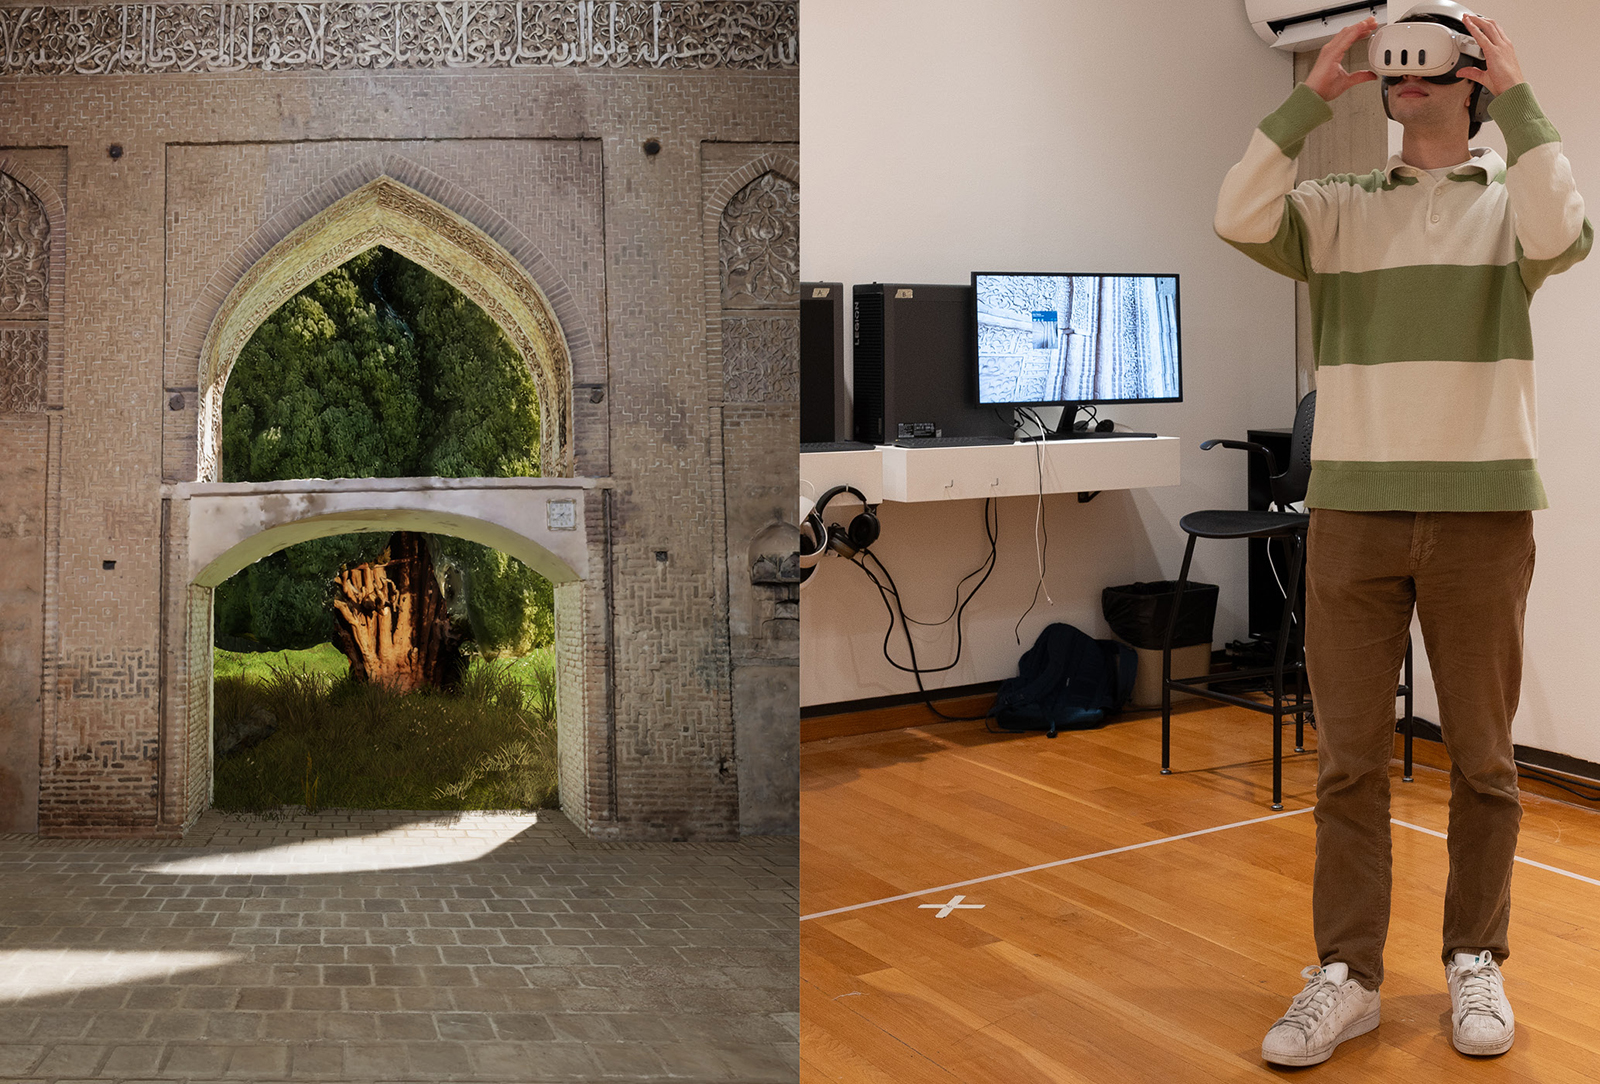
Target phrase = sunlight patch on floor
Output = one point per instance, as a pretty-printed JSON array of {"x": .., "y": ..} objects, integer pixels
[
  {"x": 31, "y": 973},
  {"x": 445, "y": 840}
]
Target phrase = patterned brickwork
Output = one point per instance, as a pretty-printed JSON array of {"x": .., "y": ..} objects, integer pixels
[
  {"x": 32, "y": 281},
  {"x": 551, "y": 188},
  {"x": 761, "y": 358},
  {"x": 196, "y": 743},
  {"x": 24, "y": 251},
  {"x": 103, "y": 676},
  {"x": 751, "y": 231},
  {"x": 103, "y": 772},
  {"x": 24, "y": 458},
  {"x": 332, "y": 36},
  {"x": 214, "y": 170},
  {"x": 23, "y": 357}
]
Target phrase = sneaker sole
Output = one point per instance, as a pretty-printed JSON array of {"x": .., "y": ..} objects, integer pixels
[
  {"x": 1483, "y": 1050},
  {"x": 1359, "y": 1027}
]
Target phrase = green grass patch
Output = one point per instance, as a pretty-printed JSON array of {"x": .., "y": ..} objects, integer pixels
[
  {"x": 339, "y": 744},
  {"x": 260, "y": 666}
]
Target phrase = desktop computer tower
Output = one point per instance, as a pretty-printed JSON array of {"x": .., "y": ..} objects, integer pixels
[
  {"x": 824, "y": 397},
  {"x": 915, "y": 365}
]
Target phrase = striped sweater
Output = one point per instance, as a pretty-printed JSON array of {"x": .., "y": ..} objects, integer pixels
[{"x": 1419, "y": 305}]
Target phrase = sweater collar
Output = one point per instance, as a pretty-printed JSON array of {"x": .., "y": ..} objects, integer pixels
[{"x": 1483, "y": 166}]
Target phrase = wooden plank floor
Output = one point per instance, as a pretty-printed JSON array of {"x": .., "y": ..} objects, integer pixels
[{"x": 1162, "y": 963}]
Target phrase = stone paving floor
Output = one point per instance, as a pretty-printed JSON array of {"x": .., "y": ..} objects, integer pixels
[{"x": 378, "y": 946}]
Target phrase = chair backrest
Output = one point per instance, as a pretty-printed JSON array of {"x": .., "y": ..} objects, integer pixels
[{"x": 1290, "y": 486}]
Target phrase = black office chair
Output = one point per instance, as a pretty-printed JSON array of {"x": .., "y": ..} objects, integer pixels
[{"x": 1288, "y": 489}]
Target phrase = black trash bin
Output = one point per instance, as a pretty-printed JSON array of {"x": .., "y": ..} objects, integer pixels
[{"x": 1138, "y": 614}]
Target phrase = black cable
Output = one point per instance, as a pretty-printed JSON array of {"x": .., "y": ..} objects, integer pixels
[
  {"x": 992, "y": 531},
  {"x": 913, "y": 669},
  {"x": 956, "y": 608},
  {"x": 1571, "y": 786},
  {"x": 993, "y": 534}
]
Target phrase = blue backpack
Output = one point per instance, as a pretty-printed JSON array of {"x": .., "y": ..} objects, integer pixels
[{"x": 1067, "y": 680}]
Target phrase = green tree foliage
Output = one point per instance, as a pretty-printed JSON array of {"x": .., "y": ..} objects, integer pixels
[{"x": 379, "y": 369}]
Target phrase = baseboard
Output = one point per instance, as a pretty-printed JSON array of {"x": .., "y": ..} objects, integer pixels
[
  {"x": 873, "y": 703},
  {"x": 894, "y": 712},
  {"x": 1582, "y": 772}
]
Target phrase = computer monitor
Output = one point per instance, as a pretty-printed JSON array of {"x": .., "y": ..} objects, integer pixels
[{"x": 1075, "y": 340}]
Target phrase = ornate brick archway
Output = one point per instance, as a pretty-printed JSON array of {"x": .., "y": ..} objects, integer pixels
[
  {"x": 385, "y": 212},
  {"x": 381, "y": 211}
]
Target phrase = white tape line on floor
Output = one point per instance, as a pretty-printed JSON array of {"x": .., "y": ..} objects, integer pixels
[
  {"x": 1053, "y": 865},
  {"x": 1524, "y": 861},
  {"x": 1151, "y": 843}
]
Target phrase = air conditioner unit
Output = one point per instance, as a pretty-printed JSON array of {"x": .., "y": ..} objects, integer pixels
[{"x": 1297, "y": 26}]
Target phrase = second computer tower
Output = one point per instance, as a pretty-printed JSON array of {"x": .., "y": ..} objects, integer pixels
[
  {"x": 824, "y": 396},
  {"x": 915, "y": 368}
]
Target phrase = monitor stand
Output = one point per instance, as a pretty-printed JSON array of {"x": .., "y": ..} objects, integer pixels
[{"x": 1064, "y": 428}]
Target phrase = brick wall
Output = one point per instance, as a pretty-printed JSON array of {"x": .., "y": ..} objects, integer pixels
[{"x": 215, "y": 168}]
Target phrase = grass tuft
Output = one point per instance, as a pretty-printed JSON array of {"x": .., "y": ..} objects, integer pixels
[{"x": 339, "y": 744}]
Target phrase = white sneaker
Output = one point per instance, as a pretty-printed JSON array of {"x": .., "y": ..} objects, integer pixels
[
  {"x": 1333, "y": 1007},
  {"x": 1479, "y": 1012}
]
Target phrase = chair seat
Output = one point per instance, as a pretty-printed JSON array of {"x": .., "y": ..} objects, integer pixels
[{"x": 1234, "y": 523}]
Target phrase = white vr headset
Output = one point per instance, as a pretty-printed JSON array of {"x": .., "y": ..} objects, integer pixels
[
  {"x": 1425, "y": 49},
  {"x": 1429, "y": 50}
]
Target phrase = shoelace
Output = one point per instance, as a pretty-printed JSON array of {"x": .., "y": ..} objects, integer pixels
[
  {"x": 1311, "y": 1004},
  {"x": 1480, "y": 990}
]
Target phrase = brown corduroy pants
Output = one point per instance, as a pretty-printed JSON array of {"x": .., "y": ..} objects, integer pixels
[{"x": 1467, "y": 574}]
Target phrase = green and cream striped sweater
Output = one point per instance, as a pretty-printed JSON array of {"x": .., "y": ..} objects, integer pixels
[{"x": 1419, "y": 305}]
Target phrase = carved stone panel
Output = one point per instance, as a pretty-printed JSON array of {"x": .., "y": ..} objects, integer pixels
[
  {"x": 761, "y": 359},
  {"x": 759, "y": 245},
  {"x": 333, "y": 36},
  {"x": 24, "y": 251},
  {"x": 22, "y": 364}
]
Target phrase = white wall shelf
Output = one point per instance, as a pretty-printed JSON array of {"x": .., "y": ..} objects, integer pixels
[
  {"x": 863, "y": 469},
  {"x": 911, "y": 475}
]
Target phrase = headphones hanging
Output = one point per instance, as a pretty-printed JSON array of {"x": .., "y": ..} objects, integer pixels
[
  {"x": 863, "y": 529},
  {"x": 813, "y": 538}
]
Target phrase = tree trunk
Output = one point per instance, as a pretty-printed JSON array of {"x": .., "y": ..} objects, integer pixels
[{"x": 392, "y": 621}]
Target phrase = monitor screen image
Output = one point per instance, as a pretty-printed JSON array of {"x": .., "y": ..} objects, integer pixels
[{"x": 1077, "y": 338}]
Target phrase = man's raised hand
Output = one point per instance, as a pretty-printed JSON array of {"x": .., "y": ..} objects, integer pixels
[
  {"x": 1328, "y": 77},
  {"x": 1503, "y": 70}
]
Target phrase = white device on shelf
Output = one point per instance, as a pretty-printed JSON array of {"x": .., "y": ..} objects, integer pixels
[{"x": 1297, "y": 26}]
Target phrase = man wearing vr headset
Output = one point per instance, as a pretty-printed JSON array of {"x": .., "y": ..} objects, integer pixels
[{"x": 1424, "y": 477}]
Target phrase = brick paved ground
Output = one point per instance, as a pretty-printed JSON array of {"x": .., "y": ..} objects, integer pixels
[{"x": 376, "y": 946}]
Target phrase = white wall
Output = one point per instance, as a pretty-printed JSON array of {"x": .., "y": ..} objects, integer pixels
[
  {"x": 1553, "y": 41},
  {"x": 943, "y": 136}
]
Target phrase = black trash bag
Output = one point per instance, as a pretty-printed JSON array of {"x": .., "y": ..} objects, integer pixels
[
  {"x": 1067, "y": 680},
  {"x": 1139, "y": 612}
]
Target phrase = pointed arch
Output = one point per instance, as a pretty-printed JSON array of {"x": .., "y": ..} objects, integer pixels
[{"x": 386, "y": 212}]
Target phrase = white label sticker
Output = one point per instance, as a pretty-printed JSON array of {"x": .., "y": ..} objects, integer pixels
[
  {"x": 561, "y": 515},
  {"x": 900, "y": 295},
  {"x": 821, "y": 291}
]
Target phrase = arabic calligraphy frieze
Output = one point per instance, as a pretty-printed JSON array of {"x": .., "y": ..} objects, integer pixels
[{"x": 332, "y": 36}]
